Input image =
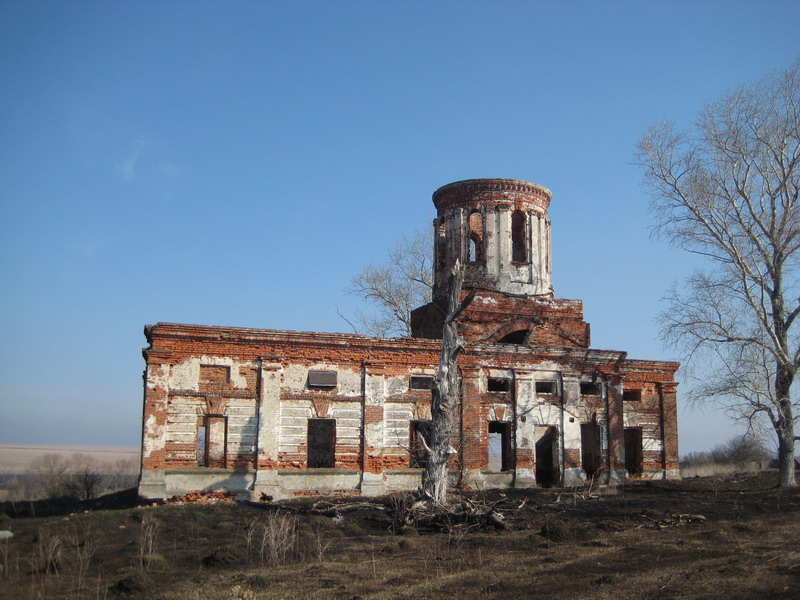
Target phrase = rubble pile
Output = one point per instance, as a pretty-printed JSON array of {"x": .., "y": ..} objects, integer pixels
[{"x": 204, "y": 497}]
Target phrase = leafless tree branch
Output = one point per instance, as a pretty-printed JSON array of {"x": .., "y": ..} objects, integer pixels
[
  {"x": 728, "y": 191},
  {"x": 395, "y": 287}
]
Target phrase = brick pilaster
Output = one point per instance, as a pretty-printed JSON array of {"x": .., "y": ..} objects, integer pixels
[{"x": 668, "y": 392}]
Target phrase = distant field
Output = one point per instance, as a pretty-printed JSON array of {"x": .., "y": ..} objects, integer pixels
[{"x": 15, "y": 458}]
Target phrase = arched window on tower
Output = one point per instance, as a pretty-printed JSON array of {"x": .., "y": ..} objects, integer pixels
[
  {"x": 519, "y": 237},
  {"x": 441, "y": 248},
  {"x": 472, "y": 254},
  {"x": 475, "y": 244}
]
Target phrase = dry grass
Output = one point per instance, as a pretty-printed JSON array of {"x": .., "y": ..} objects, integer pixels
[{"x": 623, "y": 545}]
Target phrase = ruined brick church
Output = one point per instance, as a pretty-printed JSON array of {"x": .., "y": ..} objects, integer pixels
[{"x": 285, "y": 413}]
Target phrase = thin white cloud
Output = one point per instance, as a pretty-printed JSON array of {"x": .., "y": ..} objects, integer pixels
[
  {"x": 89, "y": 248},
  {"x": 171, "y": 170},
  {"x": 127, "y": 168}
]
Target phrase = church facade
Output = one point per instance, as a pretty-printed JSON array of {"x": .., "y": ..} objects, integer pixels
[{"x": 284, "y": 413}]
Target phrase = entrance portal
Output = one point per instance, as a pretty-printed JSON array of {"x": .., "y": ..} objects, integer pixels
[
  {"x": 548, "y": 472},
  {"x": 591, "y": 448},
  {"x": 633, "y": 451}
]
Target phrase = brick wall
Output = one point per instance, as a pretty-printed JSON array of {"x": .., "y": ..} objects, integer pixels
[
  {"x": 195, "y": 371},
  {"x": 241, "y": 398}
]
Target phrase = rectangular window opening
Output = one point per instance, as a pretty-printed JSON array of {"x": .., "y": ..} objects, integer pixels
[
  {"x": 631, "y": 395},
  {"x": 545, "y": 387},
  {"x": 322, "y": 379},
  {"x": 212, "y": 441},
  {"x": 418, "y": 457},
  {"x": 321, "y": 443},
  {"x": 499, "y": 446},
  {"x": 421, "y": 382},
  {"x": 590, "y": 389},
  {"x": 201, "y": 445},
  {"x": 499, "y": 384}
]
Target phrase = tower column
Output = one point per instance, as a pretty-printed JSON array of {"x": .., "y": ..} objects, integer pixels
[
  {"x": 491, "y": 254},
  {"x": 503, "y": 246}
]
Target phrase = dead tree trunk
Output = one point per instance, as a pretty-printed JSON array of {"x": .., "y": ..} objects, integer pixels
[{"x": 445, "y": 394}]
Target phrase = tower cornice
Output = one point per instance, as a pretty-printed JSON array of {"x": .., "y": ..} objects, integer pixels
[{"x": 468, "y": 189}]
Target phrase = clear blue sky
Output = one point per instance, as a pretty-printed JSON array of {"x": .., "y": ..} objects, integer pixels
[{"x": 237, "y": 163}]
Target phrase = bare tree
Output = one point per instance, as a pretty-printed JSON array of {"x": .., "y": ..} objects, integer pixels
[
  {"x": 48, "y": 476},
  {"x": 737, "y": 451},
  {"x": 85, "y": 479},
  {"x": 445, "y": 395},
  {"x": 395, "y": 287},
  {"x": 728, "y": 191},
  {"x": 744, "y": 448}
]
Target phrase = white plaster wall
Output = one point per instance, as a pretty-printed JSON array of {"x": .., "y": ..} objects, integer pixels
[
  {"x": 242, "y": 426},
  {"x": 547, "y": 414},
  {"x": 269, "y": 412},
  {"x": 398, "y": 385},
  {"x": 157, "y": 377},
  {"x": 651, "y": 437},
  {"x": 154, "y": 438},
  {"x": 294, "y": 424},
  {"x": 186, "y": 375},
  {"x": 348, "y": 426},
  {"x": 294, "y": 378},
  {"x": 182, "y": 416},
  {"x": 396, "y": 428},
  {"x": 348, "y": 381}
]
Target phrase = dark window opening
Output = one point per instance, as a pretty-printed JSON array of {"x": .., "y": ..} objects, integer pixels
[
  {"x": 421, "y": 382},
  {"x": 545, "y": 387},
  {"x": 499, "y": 384},
  {"x": 472, "y": 251},
  {"x": 633, "y": 451},
  {"x": 547, "y": 266},
  {"x": 519, "y": 238},
  {"x": 499, "y": 446},
  {"x": 322, "y": 379},
  {"x": 212, "y": 441},
  {"x": 321, "y": 443},
  {"x": 440, "y": 247},
  {"x": 418, "y": 456},
  {"x": 590, "y": 389},
  {"x": 631, "y": 395},
  {"x": 201, "y": 445},
  {"x": 591, "y": 448},
  {"x": 548, "y": 471},
  {"x": 515, "y": 337},
  {"x": 475, "y": 244}
]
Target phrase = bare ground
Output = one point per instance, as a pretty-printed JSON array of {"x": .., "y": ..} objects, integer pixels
[{"x": 646, "y": 540}]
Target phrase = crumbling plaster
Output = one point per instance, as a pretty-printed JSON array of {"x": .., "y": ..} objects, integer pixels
[
  {"x": 186, "y": 374},
  {"x": 266, "y": 402}
]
